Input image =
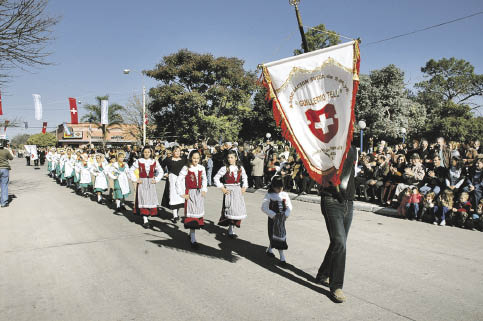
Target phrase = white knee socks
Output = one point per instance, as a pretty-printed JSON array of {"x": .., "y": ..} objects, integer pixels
[
  {"x": 99, "y": 197},
  {"x": 193, "y": 236},
  {"x": 282, "y": 256},
  {"x": 145, "y": 219},
  {"x": 175, "y": 213},
  {"x": 118, "y": 203}
]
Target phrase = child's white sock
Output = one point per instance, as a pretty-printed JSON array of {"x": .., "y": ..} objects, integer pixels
[
  {"x": 118, "y": 203},
  {"x": 282, "y": 256},
  {"x": 145, "y": 219},
  {"x": 193, "y": 236},
  {"x": 269, "y": 249},
  {"x": 230, "y": 230},
  {"x": 175, "y": 213}
]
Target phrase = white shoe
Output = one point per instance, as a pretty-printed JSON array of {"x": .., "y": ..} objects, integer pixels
[
  {"x": 435, "y": 223},
  {"x": 443, "y": 223}
]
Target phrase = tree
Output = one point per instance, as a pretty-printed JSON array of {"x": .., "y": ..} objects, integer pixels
[
  {"x": 133, "y": 114},
  {"x": 200, "y": 96},
  {"x": 318, "y": 38},
  {"x": 114, "y": 115},
  {"x": 386, "y": 106},
  {"x": 259, "y": 120},
  {"x": 20, "y": 139},
  {"x": 449, "y": 96},
  {"x": 25, "y": 31},
  {"x": 42, "y": 140}
]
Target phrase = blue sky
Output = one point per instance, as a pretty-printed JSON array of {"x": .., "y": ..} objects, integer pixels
[{"x": 97, "y": 39}]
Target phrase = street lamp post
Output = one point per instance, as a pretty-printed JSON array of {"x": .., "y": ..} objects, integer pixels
[
  {"x": 126, "y": 72},
  {"x": 301, "y": 26},
  {"x": 362, "y": 126}
]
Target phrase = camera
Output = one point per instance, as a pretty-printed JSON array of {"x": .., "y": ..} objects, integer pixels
[{"x": 3, "y": 143}]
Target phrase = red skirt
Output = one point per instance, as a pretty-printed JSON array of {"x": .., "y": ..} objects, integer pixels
[{"x": 193, "y": 222}]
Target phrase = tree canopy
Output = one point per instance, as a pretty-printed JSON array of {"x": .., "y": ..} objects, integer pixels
[
  {"x": 42, "y": 140},
  {"x": 200, "y": 96},
  {"x": 319, "y": 37}
]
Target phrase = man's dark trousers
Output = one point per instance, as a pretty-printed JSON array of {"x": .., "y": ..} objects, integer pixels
[{"x": 338, "y": 219}]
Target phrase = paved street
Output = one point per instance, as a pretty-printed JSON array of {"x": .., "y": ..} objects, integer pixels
[{"x": 65, "y": 257}]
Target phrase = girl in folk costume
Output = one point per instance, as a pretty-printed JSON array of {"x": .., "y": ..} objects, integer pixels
[
  {"x": 50, "y": 157},
  {"x": 233, "y": 181},
  {"x": 191, "y": 185},
  {"x": 118, "y": 172},
  {"x": 77, "y": 167},
  {"x": 59, "y": 167},
  {"x": 171, "y": 198},
  {"x": 150, "y": 173},
  {"x": 84, "y": 175},
  {"x": 110, "y": 179},
  {"x": 100, "y": 181},
  {"x": 277, "y": 206},
  {"x": 69, "y": 163}
]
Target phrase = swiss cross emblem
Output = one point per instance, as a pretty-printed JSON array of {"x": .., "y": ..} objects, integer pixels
[
  {"x": 323, "y": 123},
  {"x": 73, "y": 111}
]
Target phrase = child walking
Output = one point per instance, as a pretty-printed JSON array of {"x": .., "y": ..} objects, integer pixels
[
  {"x": 192, "y": 186},
  {"x": 277, "y": 206},
  {"x": 118, "y": 173}
]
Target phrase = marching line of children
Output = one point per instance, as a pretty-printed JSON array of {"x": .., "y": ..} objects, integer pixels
[{"x": 186, "y": 187}]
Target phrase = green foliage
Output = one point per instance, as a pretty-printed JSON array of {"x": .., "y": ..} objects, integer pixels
[
  {"x": 42, "y": 140},
  {"x": 386, "y": 106},
  {"x": 260, "y": 120},
  {"x": 318, "y": 39},
  {"x": 200, "y": 96},
  {"x": 20, "y": 139},
  {"x": 447, "y": 96}
]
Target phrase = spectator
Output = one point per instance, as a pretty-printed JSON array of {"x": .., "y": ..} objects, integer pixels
[
  {"x": 257, "y": 168},
  {"x": 435, "y": 178},
  {"x": 443, "y": 152},
  {"x": 273, "y": 166},
  {"x": 456, "y": 175},
  {"x": 5, "y": 156},
  {"x": 413, "y": 175},
  {"x": 375, "y": 183},
  {"x": 474, "y": 182}
]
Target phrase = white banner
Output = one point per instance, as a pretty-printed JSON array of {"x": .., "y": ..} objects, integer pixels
[
  {"x": 314, "y": 96},
  {"x": 38, "y": 107},
  {"x": 104, "y": 112},
  {"x": 32, "y": 150}
]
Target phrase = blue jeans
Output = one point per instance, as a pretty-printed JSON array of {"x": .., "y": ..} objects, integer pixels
[
  {"x": 209, "y": 173},
  {"x": 338, "y": 219},
  {"x": 4, "y": 178},
  {"x": 441, "y": 211},
  {"x": 412, "y": 210}
]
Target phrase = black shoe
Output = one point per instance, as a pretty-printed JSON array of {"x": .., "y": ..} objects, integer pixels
[
  {"x": 147, "y": 225},
  {"x": 6, "y": 205},
  {"x": 322, "y": 280},
  {"x": 195, "y": 246},
  {"x": 283, "y": 263},
  {"x": 175, "y": 219},
  {"x": 269, "y": 254},
  {"x": 233, "y": 236}
]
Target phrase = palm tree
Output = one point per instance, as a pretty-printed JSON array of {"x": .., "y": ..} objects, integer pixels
[{"x": 94, "y": 116}]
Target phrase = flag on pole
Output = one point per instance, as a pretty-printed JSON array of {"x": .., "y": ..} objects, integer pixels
[
  {"x": 67, "y": 130},
  {"x": 146, "y": 118},
  {"x": 32, "y": 150},
  {"x": 26, "y": 124},
  {"x": 1, "y": 111},
  {"x": 44, "y": 127},
  {"x": 74, "y": 116},
  {"x": 104, "y": 112},
  {"x": 313, "y": 101},
  {"x": 38, "y": 107}
]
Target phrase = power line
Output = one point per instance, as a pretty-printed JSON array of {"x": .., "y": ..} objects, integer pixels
[{"x": 424, "y": 29}]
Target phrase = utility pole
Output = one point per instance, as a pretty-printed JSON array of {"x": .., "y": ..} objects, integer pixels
[{"x": 301, "y": 26}]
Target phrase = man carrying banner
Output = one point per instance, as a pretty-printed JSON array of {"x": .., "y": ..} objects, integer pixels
[{"x": 313, "y": 97}]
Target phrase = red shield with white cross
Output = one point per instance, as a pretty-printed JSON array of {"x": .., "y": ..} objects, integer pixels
[{"x": 323, "y": 123}]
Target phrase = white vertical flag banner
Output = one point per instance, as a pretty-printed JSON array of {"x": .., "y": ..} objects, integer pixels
[
  {"x": 38, "y": 107},
  {"x": 104, "y": 112},
  {"x": 313, "y": 101}
]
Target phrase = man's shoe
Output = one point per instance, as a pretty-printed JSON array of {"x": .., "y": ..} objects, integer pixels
[
  {"x": 337, "y": 295},
  {"x": 322, "y": 280}
]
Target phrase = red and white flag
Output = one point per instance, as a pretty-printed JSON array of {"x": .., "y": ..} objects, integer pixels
[
  {"x": 313, "y": 101},
  {"x": 146, "y": 118},
  {"x": 1, "y": 110},
  {"x": 44, "y": 127},
  {"x": 74, "y": 117}
]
